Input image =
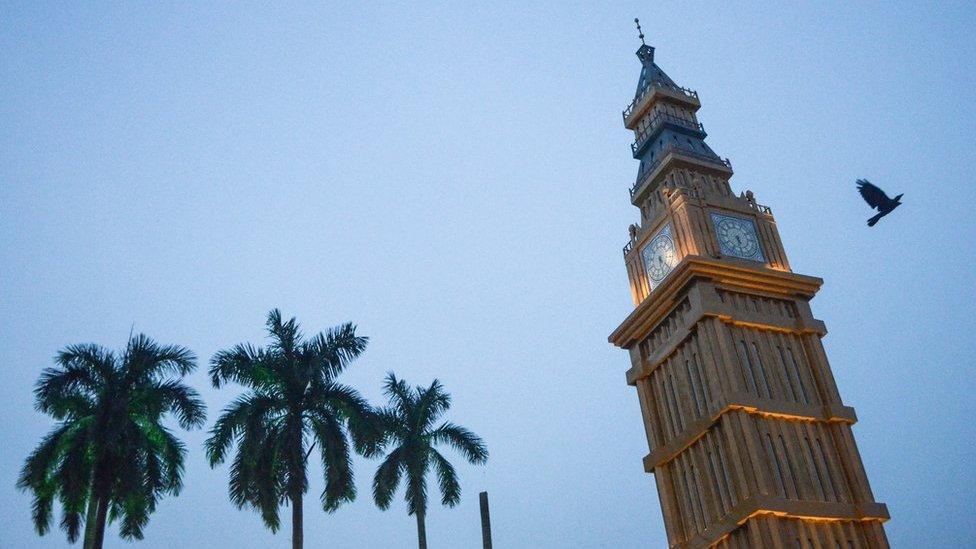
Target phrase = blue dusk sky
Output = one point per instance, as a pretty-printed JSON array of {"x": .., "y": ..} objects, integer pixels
[{"x": 454, "y": 179}]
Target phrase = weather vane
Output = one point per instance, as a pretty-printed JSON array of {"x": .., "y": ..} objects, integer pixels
[{"x": 640, "y": 33}]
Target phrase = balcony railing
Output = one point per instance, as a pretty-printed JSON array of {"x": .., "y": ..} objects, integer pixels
[
  {"x": 659, "y": 120},
  {"x": 676, "y": 149},
  {"x": 689, "y": 94}
]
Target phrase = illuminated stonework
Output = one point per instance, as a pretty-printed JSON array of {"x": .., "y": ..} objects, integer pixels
[{"x": 750, "y": 443}]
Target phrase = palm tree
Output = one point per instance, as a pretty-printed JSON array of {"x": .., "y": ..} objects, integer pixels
[
  {"x": 409, "y": 424},
  {"x": 110, "y": 452},
  {"x": 293, "y": 403}
]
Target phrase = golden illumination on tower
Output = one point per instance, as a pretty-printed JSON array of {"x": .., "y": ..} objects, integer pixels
[{"x": 750, "y": 442}]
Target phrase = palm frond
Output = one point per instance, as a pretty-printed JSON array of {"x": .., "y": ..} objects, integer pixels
[
  {"x": 165, "y": 458},
  {"x": 336, "y": 460},
  {"x": 82, "y": 371},
  {"x": 446, "y": 479},
  {"x": 58, "y": 467},
  {"x": 432, "y": 402},
  {"x": 416, "y": 493},
  {"x": 144, "y": 358},
  {"x": 242, "y": 364},
  {"x": 132, "y": 511},
  {"x": 335, "y": 348},
  {"x": 387, "y": 478},
  {"x": 95, "y": 358},
  {"x": 42, "y": 461},
  {"x": 71, "y": 524},
  {"x": 401, "y": 398},
  {"x": 42, "y": 508},
  {"x": 269, "y": 485},
  {"x": 240, "y": 486},
  {"x": 464, "y": 441},
  {"x": 72, "y": 477},
  {"x": 350, "y": 406},
  {"x": 249, "y": 408},
  {"x": 69, "y": 406},
  {"x": 183, "y": 401},
  {"x": 286, "y": 336},
  {"x": 244, "y": 475}
]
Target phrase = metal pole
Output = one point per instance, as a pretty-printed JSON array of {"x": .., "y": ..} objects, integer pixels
[{"x": 485, "y": 521}]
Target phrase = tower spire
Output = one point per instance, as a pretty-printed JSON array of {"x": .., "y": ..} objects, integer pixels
[{"x": 645, "y": 53}]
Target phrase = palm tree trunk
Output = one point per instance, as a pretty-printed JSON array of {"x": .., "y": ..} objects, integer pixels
[
  {"x": 99, "y": 534},
  {"x": 297, "y": 533},
  {"x": 421, "y": 531},
  {"x": 90, "y": 518}
]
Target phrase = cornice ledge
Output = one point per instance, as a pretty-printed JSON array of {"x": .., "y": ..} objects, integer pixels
[
  {"x": 787, "y": 508},
  {"x": 725, "y": 314},
  {"x": 644, "y": 103},
  {"x": 829, "y": 413},
  {"x": 660, "y": 301},
  {"x": 674, "y": 157}
]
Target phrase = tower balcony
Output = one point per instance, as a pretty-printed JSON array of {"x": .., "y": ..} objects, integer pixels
[
  {"x": 673, "y": 151},
  {"x": 647, "y": 95},
  {"x": 659, "y": 122}
]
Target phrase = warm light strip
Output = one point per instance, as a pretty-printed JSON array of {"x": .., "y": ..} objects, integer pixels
[
  {"x": 752, "y": 410},
  {"x": 786, "y": 514}
]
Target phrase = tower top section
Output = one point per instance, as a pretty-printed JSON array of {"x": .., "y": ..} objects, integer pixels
[
  {"x": 654, "y": 84},
  {"x": 645, "y": 53},
  {"x": 650, "y": 73},
  {"x": 667, "y": 134}
]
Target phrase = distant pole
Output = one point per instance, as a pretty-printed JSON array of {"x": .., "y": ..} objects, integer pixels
[{"x": 485, "y": 521}]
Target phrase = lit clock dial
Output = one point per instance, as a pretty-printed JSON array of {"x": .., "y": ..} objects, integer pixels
[
  {"x": 659, "y": 256},
  {"x": 737, "y": 237}
]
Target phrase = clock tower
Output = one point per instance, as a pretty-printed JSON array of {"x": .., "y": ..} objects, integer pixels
[{"x": 750, "y": 442}]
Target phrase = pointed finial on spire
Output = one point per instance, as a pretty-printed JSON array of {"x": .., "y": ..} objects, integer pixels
[{"x": 645, "y": 53}]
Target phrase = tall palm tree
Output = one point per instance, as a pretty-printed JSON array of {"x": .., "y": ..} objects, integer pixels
[
  {"x": 292, "y": 404},
  {"x": 110, "y": 452},
  {"x": 408, "y": 423}
]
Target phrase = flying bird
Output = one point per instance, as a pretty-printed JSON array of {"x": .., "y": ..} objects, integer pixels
[{"x": 877, "y": 199}]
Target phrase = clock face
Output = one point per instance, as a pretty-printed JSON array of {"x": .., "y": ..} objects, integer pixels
[
  {"x": 659, "y": 256},
  {"x": 737, "y": 237}
]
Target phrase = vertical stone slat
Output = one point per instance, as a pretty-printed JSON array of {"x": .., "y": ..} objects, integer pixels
[
  {"x": 795, "y": 354},
  {"x": 647, "y": 413},
  {"x": 771, "y": 364},
  {"x": 853, "y": 462},
  {"x": 814, "y": 355},
  {"x": 801, "y": 461},
  {"x": 673, "y": 523},
  {"x": 662, "y": 405},
  {"x": 710, "y": 498},
  {"x": 717, "y": 361},
  {"x": 754, "y": 456},
  {"x": 826, "y": 449}
]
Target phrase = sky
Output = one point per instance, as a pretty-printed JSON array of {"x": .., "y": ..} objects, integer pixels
[{"x": 454, "y": 180}]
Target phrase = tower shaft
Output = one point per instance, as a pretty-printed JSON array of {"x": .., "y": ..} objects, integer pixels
[{"x": 750, "y": 442}]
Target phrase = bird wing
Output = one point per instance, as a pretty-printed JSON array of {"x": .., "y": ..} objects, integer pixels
[{"x": 874, "y": 196}]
